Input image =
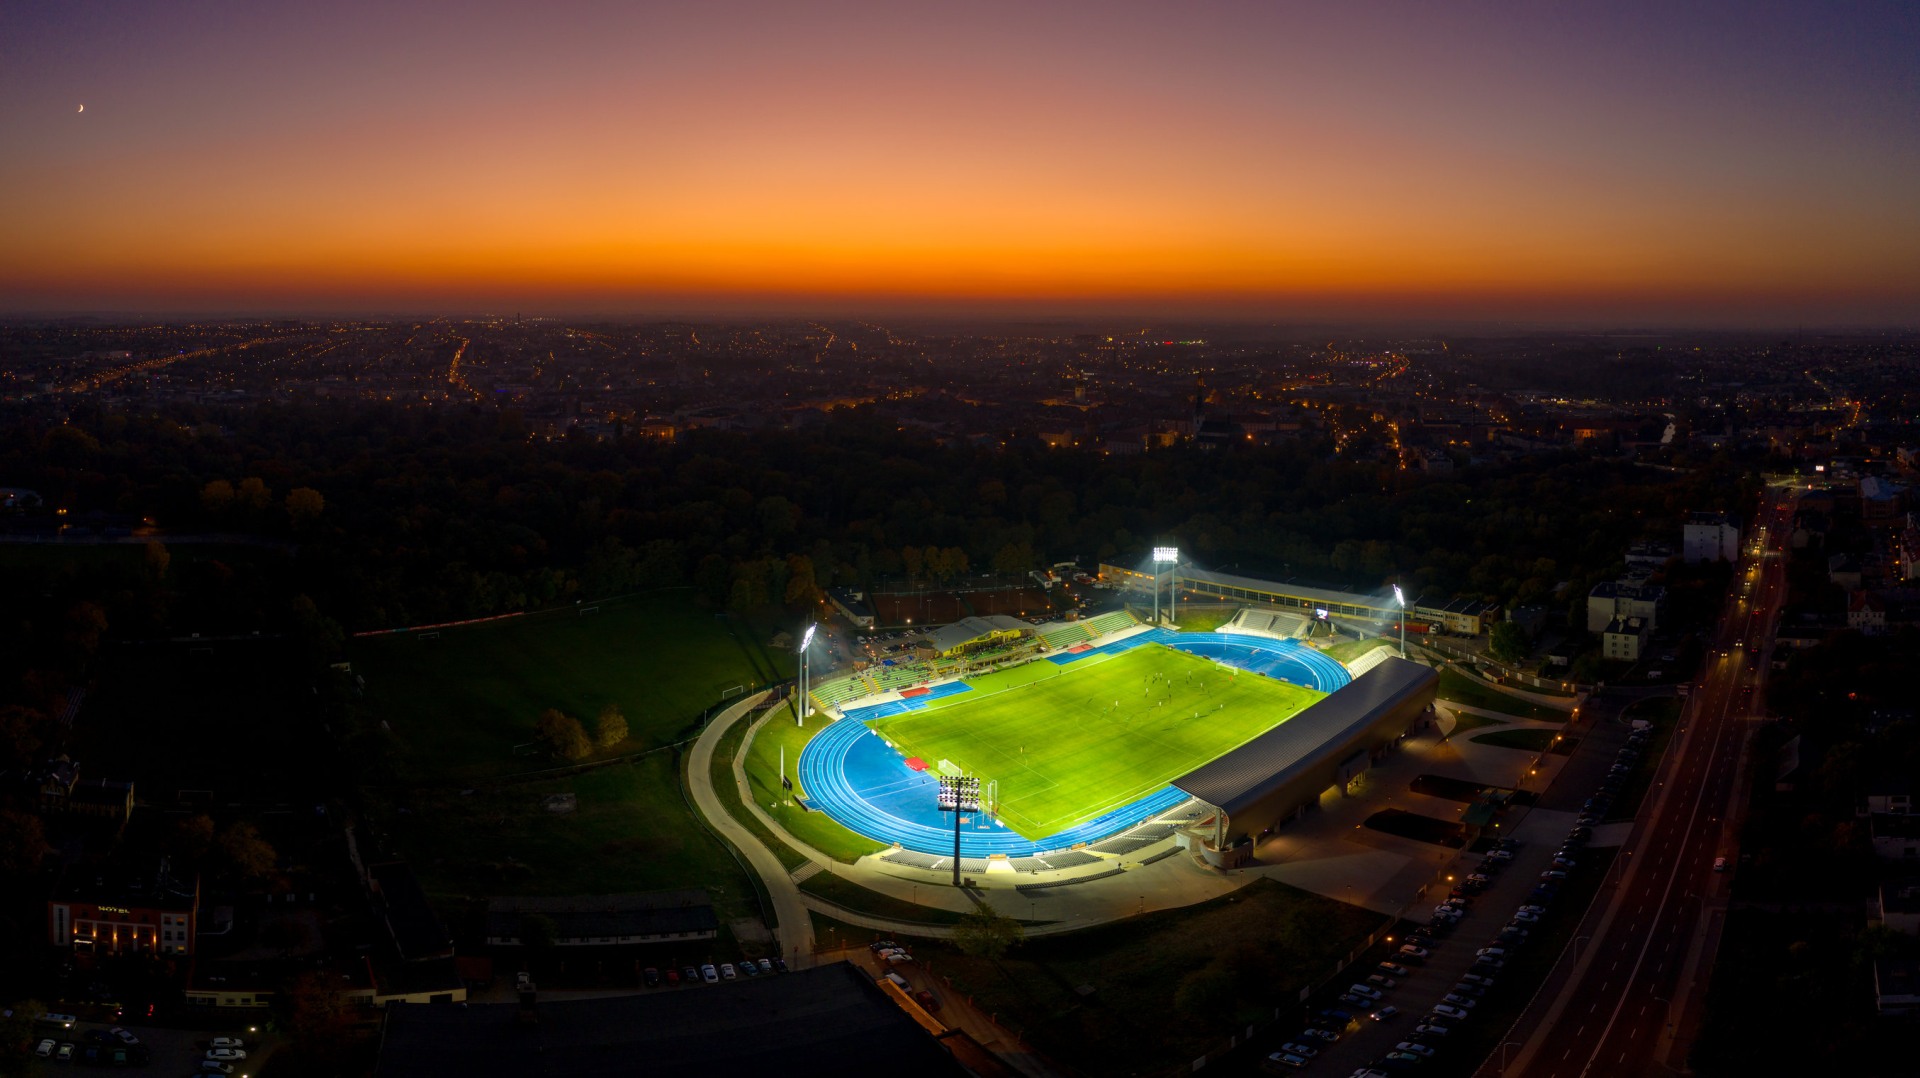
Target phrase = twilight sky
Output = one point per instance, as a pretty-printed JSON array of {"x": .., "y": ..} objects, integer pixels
[{"x": 1673, "y": 162}]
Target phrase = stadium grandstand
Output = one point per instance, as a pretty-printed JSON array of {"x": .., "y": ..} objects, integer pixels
[
  {"x": 973, "y": 634},
  {"x": 1283, "y": 772},
  {"x": 1466, "y": 617}
]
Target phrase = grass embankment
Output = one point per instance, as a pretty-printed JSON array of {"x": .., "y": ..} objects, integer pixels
[
  {"x": 845, "y": 892},
  {"x": 1192, "y": 976},
  {"x": 777, "y": 736},
  {"x": 1102, "y": 733},
  {"x": 1534, "y": 740},
  {"x": 1205, "y": 619},
  {"x": 1348, "y": 650},
  {"x": 728, "y": 792},
  {"x": 1465, "y": 689},
  {"x": 631, "y": 830},
  {"x": 459, "y": 702}
]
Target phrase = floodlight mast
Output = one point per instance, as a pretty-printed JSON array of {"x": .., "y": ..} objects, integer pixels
[
  {"x": 1401, "y": 599},
  {"x": 1166, "y": 555},
  {"x": 958, "y": 794},
  {"x": 801, "y": 708}
]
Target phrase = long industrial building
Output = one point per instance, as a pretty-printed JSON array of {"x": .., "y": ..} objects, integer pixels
[{"x": 1278, "y": 774}]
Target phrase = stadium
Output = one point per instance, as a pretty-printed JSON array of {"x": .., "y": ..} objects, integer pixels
[{"x": 1103, "y": 734}]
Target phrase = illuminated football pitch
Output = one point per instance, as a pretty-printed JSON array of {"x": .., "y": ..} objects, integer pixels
[{"x": 1097, "y": 734}]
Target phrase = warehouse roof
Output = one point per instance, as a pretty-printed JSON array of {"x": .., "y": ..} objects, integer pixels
[
  {"x": 830, "y": 1020},
  {"x": 1328, "y": 730}
]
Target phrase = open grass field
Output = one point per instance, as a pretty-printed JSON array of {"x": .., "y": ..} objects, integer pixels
[
  {"x": 631, "y": 831},
  {"x": 460, "y": 701},
  {"x": 1100, "y": 733}
]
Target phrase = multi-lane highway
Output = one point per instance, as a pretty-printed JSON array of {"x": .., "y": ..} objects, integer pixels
[{"x": 1646, "y": 947}]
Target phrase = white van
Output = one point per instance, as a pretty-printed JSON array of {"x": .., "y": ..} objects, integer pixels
[{"x": 51, "y": 1018}]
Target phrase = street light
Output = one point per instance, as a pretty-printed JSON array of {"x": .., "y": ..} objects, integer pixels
[
  {"x": 1402, "y": 600},
  {"x": 800, "y": 710},
  {"x": 1165, "y": 555}
]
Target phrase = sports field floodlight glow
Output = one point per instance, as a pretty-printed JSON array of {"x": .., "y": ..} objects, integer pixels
[
  {"x": 1162, "y": 554},
  {"x": 807, "y": 640}
]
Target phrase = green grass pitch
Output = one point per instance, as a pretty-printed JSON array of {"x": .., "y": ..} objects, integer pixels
[{"x": 1096, "y": 735}]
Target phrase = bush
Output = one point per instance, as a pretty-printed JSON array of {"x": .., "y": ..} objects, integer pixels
[{"x": 563, "y": 734}]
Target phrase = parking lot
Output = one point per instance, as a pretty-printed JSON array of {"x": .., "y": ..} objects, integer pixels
[
  {"x": 168, "y": 1051},
  {"x": 1360, "y": 1044}
]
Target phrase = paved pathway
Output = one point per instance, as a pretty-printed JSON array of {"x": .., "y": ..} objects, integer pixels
[{"x": 794, "y": 925}]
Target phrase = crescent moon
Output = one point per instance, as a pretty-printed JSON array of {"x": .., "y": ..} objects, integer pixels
[{"x": 83, "y": 108}]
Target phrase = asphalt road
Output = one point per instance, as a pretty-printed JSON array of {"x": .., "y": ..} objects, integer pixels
[{"x": 1631, "y": 1005}]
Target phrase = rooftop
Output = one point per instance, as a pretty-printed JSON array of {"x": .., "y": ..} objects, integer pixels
[{"x": 831, "y": 1020}]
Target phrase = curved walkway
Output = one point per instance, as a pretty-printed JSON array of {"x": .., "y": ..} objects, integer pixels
[{"x": 795, "y": 924}]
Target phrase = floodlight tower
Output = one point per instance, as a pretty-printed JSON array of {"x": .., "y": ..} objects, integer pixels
[
  {"x": 1165, "y": 555},
  {"x": 958, "y": 794},
  {"x": 1401, "y": 599},
  {"x": 801, "y": 708}
]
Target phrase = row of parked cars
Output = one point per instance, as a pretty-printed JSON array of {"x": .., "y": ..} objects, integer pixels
[
  {"x": 1456, "y": 1005},
  {"x": 711, "y": 973}
]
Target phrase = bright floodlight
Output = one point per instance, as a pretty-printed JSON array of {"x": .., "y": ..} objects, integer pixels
[
  {"x": 807, "y": 637},
  {"x": 1397, "y": 597},
  {"x": 1166, "y": 553}
]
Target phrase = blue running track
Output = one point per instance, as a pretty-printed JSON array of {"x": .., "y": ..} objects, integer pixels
[{"x": 859, "y": 780}]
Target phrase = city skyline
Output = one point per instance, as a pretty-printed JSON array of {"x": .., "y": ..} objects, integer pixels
[{"x": 1717, "y": 166}]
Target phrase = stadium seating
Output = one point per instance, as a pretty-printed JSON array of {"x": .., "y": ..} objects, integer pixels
[
  {"x": 840, "y": 690},
  {"x": 1112, "y": 622},
  {"x": 1073, "y": 633}
]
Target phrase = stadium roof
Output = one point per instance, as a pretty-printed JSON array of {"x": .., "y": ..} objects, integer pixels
[
  {"x": 1281, "y": 587},
  {"x": 966, "y": 630},
  {"x": 830, "y": 1020},
  {"x": 1326, "y": 730}
]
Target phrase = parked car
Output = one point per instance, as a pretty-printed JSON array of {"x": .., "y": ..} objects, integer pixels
[
  {"x": 1431, "y": 1029},
  {"x": 1470, "y": 990},
  {"x": 650, "y": 977},
  {"x": 1458, "y": 1000},
  {"x": 1392, "y": 970},
  {"x": 124, "y": 1036},
  {"x": 226, "y": 1055},
  {"x": 1446, "y": 1010},
  {"x": 1525, "y": 918},
  {"x": 1299, "y": 1049},
  {"x": 689, "y": 975},
  {"x": 45, "y": 1048},
  {"x": 727, "y": 972},
  {"x": 1385, "y": 1014},
  {"x": 749, "y": 968},
  {"x": 226, "y": 1042},
  {"x": 1491, "y": 952},
  {"x": 63, "y": 1054},
  {"x": 1382, "y": 981},
  {"x": 927, "y": 1000},
  {"x": 1318, "y": 1034},
  {"x": 1287, "y": 1059},
  {"x": 1719, "y": 864},
  {"x": 1416, "y": 1048},
  {"x": 1411, "y": 951},
  {"x": 709, "y": 974}
]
